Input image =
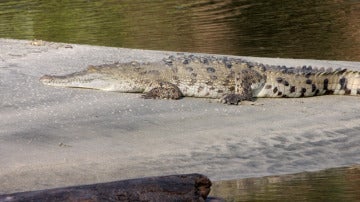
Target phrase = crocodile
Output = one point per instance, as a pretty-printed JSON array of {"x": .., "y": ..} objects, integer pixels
[{"x": 231, "y": 80}]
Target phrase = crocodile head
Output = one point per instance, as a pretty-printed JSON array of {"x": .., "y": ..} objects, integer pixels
[{"x": 92, "y": 78}]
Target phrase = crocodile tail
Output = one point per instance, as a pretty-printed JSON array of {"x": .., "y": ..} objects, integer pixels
[
  {"x": 338, "y": 82},
  {"x": 348, "y": 83},
  {"x": 311, "y": 83}
]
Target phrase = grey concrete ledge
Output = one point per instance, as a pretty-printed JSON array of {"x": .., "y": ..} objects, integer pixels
[{"x": 53, "y": 137}]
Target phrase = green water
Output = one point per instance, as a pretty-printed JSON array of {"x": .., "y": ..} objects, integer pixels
[
  {"x": 338, "y": 184},
  {"x": 320, "y": 29}
]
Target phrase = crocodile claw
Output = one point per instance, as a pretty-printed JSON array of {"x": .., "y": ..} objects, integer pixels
[{"x": 234, "y": 99}]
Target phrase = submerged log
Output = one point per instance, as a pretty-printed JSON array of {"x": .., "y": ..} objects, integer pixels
[{"x": 189, "y": 187}]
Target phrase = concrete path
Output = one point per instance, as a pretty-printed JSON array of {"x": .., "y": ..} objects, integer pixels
[{"x": 53, "y": 137}]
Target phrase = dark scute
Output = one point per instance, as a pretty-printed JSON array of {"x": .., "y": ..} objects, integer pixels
[
  {"x": 172, "y": 57},
  {"x": 228, "y": 65},
  {"x": 313, "y": 88},
  {"x": 262, "y": 67},
  {"x": 213, "y": 77},
  {"x": 347, "y": 91},
  {"x": 210, "y": 70},
  {"x": 292, "y": 89},
  {"x": 307, "y": 68},
  {"x": 308, "y": 81},
  {"x": 342, "y": 83},
  {"x": 307, "y": 75},
  {"x": 358, "y": 91},
  {"x": 291, "y": 70},
  {"x": 303, "y": 91},
  {"x": 185, "y": 61},
  {"x": 204, "y": 61},
  {"x": 275, "y": 90},
  {"x": 316, "y": 92},
  {"x": 279, "y": 93},
  {"x": 279, "y": 79},
  {"x": 326, "y": 84},
  {"x": 340, "y": 71},
  {"x": 286, "y": 83},
  {"x": 282, "y": 69},
  {"x": 225, "y": 60},
  {"x": 329, "y": 92},
  {"x": 168, "y": 62},
  {"x": 268, "y": 86}
]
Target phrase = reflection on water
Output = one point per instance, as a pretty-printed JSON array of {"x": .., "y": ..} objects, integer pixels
[
  {"x": 338, "y": 184},
  {"x": 327, "y": 29}
]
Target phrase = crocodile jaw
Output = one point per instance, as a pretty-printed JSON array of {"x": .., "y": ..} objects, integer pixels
[{"x": 91, "y": 81}]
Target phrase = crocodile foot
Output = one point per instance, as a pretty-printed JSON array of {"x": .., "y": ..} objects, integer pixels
[
  {"x": 163, "y": 90},
  {"x": 234, "y": 99}
]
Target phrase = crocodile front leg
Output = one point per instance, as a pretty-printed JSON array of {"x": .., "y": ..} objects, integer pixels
[
  {"x": 244, "y": 80},
  {"x": 162, "y": 90}
]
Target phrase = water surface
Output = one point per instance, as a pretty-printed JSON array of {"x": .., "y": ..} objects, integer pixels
[
  {"x": 326, "y": 29},
  {"x": 338, "y": 184}
]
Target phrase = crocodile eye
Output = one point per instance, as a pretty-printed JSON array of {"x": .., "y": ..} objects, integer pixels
[
  {"x": 210, "y": 69},
  {"x": 135, "y": 64}
]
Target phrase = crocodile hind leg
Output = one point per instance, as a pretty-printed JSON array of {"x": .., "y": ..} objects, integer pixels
[
  {"x": 243, "y": 91},
  {"x": 162, "y": 90}
]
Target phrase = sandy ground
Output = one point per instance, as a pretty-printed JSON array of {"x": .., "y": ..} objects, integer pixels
[{"x": 53, "y": 137}]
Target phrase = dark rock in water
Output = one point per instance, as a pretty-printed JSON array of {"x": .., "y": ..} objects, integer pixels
[{"x": 189, "y": 187}]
